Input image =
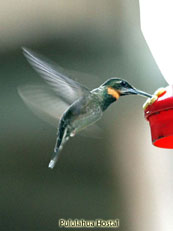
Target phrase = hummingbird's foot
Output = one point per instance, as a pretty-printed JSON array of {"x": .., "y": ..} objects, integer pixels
[
  {"x": 72, "y": 134},
  {"x": 155, "y": 96}
]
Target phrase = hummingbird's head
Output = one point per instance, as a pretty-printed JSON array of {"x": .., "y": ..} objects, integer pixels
[{"x": 119, "y": 87}]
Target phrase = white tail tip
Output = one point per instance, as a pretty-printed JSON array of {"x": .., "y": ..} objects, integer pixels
[{"x": 51, "y": 164}]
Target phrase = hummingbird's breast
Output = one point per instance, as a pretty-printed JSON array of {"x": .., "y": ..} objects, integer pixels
[{"x": 83, "y": 112}]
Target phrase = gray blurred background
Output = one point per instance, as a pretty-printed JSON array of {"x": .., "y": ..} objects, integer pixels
[{"x": 119, "y": 176}]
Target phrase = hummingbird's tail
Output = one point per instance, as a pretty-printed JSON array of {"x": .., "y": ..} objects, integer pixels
[
  {"x": 54, "y": 159},
  {"x": 61, "y": 139},
  {"x": 55, "y": 155}
]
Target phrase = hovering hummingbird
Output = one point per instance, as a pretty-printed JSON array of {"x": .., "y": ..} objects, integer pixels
[{"x": 81, "y": 107}]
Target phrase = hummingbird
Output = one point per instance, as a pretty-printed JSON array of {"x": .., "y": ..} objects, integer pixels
[{"x": 74, "y": 104}]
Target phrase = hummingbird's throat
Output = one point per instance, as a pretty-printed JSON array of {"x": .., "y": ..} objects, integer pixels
[{"x": 113, "y": 93}]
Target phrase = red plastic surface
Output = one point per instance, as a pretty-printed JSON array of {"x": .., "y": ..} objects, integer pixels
[{"x": 160, "y": 116}]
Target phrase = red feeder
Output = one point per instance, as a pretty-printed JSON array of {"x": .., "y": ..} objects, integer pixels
[{"x": 160, "y": 116}]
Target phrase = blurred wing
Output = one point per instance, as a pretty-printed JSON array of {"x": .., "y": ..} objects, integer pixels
[
  {"x": 47, "y": 106},
  {"x": 66, "y": 88},
  {"x": 43, "y": 102}
]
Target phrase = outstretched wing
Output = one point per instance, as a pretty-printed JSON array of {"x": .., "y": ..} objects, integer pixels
[
  {"x": 66, "y": 88},
  {"x": 50, "y": 101}
]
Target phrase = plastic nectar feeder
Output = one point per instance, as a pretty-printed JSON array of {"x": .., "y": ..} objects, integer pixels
[{"x": 160, "y": 116}]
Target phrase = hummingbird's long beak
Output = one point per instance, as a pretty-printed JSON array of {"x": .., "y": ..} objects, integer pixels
[
  {"x": 138, "y": 92},
  {"x": 142, "y": 93}
]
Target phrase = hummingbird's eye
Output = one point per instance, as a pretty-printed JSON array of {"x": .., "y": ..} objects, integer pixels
[{"x": 123, "y": 84}]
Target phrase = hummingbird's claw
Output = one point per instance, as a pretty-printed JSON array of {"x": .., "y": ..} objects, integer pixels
[
  {"x": 155, "y": 96},
  {"x": 72, "y": 134}
]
